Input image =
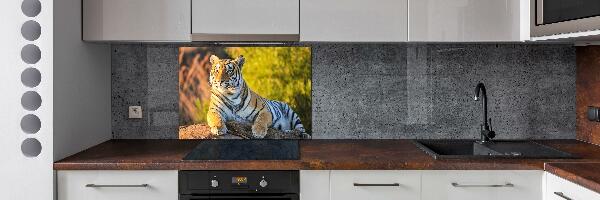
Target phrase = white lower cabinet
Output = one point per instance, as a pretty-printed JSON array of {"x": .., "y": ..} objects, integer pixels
[
  {"x": 117, "y": 185},
  {"x": 341, "y": 185},
  {"x": 314, "y": 184},
  {"x": 482, "y": 185},
  {"x": 421, "y": 185},
  {"x": 375, "y": 185},
  {"x": 560, "y": 189}
]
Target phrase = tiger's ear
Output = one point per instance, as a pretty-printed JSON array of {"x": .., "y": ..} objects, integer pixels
[
  {"x": 214, "y": 59},
  {"x": 240, "y": 60}
]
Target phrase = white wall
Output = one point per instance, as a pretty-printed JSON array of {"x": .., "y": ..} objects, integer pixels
[
  {"x": 82, "y": 109},
  {"x": 21, "y": 177},
  {"x": 79, "y": 93}
]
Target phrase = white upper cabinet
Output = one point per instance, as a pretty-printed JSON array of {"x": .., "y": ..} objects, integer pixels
[
  {"x": 353, "y": 20},
  {"x": 245, "y": 20},
  {"x": 307, "y": 20},
  {"x": 468, "y": 20},
  {"x": 136, "y": 20}
]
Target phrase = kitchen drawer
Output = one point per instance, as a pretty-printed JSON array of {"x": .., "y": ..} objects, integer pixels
[
  {"x": 404, "y": 185},
  {"x": 162, "y": 185},
  {"x": 479, "y": 184},
  {"x": 556, "y": 186}
]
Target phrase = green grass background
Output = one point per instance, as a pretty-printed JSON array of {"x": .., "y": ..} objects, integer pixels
[{"x": 277, "y": 73}]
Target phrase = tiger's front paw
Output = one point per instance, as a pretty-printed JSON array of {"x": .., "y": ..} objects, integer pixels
[
  {"x": 259, "y": 132},
  {"x": 261, "y": 124},
  {"x": 218, "y": 131}
]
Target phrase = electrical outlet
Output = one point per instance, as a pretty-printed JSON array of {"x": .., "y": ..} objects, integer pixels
[{"x": 135, "y": 112}]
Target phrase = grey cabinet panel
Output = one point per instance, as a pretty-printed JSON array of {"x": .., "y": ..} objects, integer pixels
[
  {"x": 245, "y": 20},
  {"x": 354, "y": 20},
  {"x": 468, "y": 21},
  {"x": 136, "y": 20}
]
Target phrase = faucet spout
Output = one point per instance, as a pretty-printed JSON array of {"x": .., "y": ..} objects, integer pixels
[{"x": 486, "y": 133}]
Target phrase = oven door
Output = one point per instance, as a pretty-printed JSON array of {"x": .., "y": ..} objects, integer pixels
[
  {"x": 551, "y": 17},
  {"x": 245, "y": 197}
]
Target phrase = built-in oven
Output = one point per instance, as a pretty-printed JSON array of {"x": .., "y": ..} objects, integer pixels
[
  {"x": 235, "y": 185},
  {"x": 552, "y": 17}
]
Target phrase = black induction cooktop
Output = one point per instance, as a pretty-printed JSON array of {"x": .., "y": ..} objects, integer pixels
[{"x": 232, "y": 149}]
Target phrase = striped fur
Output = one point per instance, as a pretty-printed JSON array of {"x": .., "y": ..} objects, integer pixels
[{"x": 232, "y": 99}]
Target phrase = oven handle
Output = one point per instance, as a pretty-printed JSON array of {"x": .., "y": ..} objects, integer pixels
[{"x": 241, "y": 196}]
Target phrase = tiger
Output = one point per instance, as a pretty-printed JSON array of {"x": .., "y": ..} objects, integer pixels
[{"x": 232, "y": 99}]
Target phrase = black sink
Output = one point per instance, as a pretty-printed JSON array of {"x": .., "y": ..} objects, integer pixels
[{"x": 470, "y": 149}]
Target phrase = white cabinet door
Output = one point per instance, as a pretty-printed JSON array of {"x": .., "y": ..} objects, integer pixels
[
  {"x": 375, "y": 185},
  {"x": 468, "y": 20},
  {"x": 314, "y": 185},
  {"x": 117, "y": 185},
  {"x": 478, "y": 185},
  {"x": 353, "y": 20},
  {"x": 560, "y": 189},
  {"x": 136, "y": 20},
  {"x": 245, "y": 20}
]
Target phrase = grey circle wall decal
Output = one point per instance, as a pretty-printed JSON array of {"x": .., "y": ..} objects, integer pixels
[
  {"x": 31, "y": 100},
  {"x": 31, "y": 54},
  {"x": 31, "y": 147},
  {"x": 31, "y": 30},
  {"x": 31, "y": 8},
  {"x": 30, "y": 124},
  {"x": 31, "y": 77}
]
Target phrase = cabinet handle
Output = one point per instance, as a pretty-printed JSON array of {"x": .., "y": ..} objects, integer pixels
[
  {"x": 562, "y": 195},
  {"x": 376, "y": 184},
  {"x": 493, "y": 185},
  {"x": 115, "y": 186}
]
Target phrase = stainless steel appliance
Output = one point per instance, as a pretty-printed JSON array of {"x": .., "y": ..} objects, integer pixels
[
  {"x": 552, "y": 17},
  {"x": 233, "y": 185}
]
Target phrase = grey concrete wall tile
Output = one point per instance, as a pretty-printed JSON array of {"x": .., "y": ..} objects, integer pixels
[{"x": 367, "y": 91}]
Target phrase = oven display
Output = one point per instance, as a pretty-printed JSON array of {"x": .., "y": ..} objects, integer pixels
[{"x": 239, "y": 180}]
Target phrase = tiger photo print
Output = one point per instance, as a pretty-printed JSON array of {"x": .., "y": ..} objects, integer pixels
[{"x": 232, "y": 100}]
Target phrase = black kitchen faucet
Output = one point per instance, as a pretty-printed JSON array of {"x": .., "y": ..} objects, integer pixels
[{"x": 487, "y": 134}]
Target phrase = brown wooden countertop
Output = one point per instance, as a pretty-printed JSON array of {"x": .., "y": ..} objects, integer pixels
[
  {"x": 584, "y": 174},
  {"x": 314, "y": 154}
]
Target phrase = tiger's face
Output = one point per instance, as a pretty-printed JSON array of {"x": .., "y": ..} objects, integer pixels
[{"x": 226, "y": 73}]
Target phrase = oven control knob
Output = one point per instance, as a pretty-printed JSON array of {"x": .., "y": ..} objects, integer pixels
[
  {"x": 214, "y": 183},
  {"x": 263, "y": 183}
]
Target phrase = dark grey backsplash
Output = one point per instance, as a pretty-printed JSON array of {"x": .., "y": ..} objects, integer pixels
[{"x": 383, "y": 90}]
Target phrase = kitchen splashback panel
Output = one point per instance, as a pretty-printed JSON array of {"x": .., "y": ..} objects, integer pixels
[
  {"x": 244, "y": 92},
  {"x": 372, "y": 91}
]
